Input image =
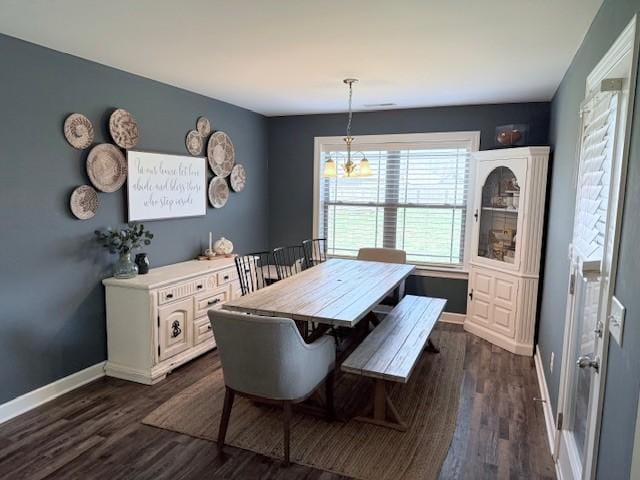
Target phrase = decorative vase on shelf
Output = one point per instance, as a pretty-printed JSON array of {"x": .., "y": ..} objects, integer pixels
[
  {"x": 142, "y": 261},
  {"x": 223, "y": 246},
  {"x": 125, "y": 267}
]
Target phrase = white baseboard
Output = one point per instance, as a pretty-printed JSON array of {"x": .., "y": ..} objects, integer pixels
[
  {"x": 35, "y": 398},
  {"x": 549, "y": 417},
  {"x": 450, "y": 317}
]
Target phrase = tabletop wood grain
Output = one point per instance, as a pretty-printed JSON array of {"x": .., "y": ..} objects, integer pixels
[{"x": 337, "y": 292}]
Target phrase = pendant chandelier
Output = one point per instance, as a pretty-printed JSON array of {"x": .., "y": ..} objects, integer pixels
[{"x": 350, "y": 168}]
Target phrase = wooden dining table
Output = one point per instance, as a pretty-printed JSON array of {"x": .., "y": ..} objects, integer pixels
[{"x": 338, "y": 292}]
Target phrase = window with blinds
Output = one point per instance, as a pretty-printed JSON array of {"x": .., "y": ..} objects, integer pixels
[{"x": 416, "y": 199}]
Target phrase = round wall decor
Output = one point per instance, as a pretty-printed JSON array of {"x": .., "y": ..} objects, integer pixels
[
  {"x": 106, "y": 167},
  {"x": 203, "y": 125},
  {"x": 194, "y": 142},
  {"x": 218, "y": 192},
  {"x": 84, "y": 202},
  {"x": 78, "y": 131},
  {"x": 123, "y": 128},
  {"x": 238, "y": 178},
  {"x": 221, "y": 154}
]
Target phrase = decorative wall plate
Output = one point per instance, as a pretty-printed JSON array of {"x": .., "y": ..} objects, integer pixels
[
  {"x": 123, "y": 128},
  {"x": 78, "y": 131},
  {"x": 203, "y": 126},
  {"x": 194, "y": 142},
  {"x": 238, "y": 178},
  {"x": 84, "y": 202},
  {"x": 221, "y": 154},
  {"x": 218, "y": 192},
  {"x": 106, "y": 167}
]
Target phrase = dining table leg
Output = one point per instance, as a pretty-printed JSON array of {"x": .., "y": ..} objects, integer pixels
[{"x": 431, "y": 348}]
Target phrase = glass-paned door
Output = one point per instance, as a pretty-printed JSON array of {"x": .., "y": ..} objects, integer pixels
[
  {"x": 498, "y": 212},
  {"x": 589, "y": 297},
  {"x": 499, "y": 216},
  {"x": 584, "y": 345}
]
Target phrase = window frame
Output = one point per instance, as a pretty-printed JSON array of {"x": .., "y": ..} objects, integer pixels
[{"x": 472, "y": 141}]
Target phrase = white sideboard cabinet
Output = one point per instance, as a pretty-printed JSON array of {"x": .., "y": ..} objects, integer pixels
[{"x": 158, "y": 321}]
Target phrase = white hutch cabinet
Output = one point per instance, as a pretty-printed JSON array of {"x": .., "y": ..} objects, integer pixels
[
  {"x": 508, "y": 212},
  {"x": 158, "y": 321}
]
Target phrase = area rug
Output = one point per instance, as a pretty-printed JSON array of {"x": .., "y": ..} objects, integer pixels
[{"x": 428, "y": 404}]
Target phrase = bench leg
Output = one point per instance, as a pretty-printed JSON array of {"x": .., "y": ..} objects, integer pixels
[
  {"x": 431, "y": 348},
  {"x": 384, "y": 411}
]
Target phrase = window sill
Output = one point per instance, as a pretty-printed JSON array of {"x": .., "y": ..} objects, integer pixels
[
  {"x": 454, "y": 273},
  {"x": 441, "y": 272}
]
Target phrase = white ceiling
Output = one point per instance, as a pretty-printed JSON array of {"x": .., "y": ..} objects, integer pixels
[{"x": 282, "y": 57}]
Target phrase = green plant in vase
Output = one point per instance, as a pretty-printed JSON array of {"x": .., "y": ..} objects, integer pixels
[{"x": 123, "y": 241}]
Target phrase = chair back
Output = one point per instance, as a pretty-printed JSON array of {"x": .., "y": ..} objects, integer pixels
[
  {"x": 315, "y": 251},
  {"x": 253, "y": 271},
  {"x": 289, "y": 260},
  {"x": 386, "y": 255},
  {"x": 259, "y": 355}
]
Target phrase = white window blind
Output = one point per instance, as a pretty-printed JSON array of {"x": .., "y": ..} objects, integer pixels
[
  {"x": 599, "y": 124},
  {"x": 415, "y": 200}
]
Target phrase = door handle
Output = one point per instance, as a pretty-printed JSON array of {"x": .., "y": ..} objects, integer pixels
[
  {"x": 471, "y": 295},
  {"x": 586, "y": 362},
  {"x": 475, "y": 215}
]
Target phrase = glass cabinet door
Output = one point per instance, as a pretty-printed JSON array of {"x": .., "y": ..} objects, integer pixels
[{"x": 498, "y": 216}]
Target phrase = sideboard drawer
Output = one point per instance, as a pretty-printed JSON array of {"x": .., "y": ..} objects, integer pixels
[
  {"x": 206, "y": 301},
  {"x": 202, "y": 330},
  {"x": 181, "y": 290},
  {"x": 226, "y": 276}
]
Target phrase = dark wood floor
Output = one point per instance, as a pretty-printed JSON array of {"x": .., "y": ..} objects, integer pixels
[{"x": 95, "y": 432}]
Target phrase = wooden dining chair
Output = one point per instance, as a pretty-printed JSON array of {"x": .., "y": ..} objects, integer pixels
[
  {"x": 315, "y": 251},
  {"x": 386, "y": 255},
  {"x": 265, "y": 359},
  {"x": 289, "y": 260},
  {"x": 253, "y": 271}
]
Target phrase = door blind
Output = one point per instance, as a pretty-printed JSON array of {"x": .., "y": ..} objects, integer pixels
[
  {"x": 594, "y": 176},
  {"x": 415, "y": 200}
]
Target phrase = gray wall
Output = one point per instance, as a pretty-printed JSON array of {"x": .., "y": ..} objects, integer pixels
[
  {"x": 291, "y": 163},
  {"x": 623, "y": 380},
  {"x": 52, "y": 319}
]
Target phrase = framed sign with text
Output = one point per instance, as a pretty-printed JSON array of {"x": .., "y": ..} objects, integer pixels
[{"x": 161, "y": 186}]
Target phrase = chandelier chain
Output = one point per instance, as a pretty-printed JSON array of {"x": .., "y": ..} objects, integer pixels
[{"x": 350, "y": 112}]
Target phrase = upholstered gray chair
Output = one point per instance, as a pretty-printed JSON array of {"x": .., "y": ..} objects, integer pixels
[
  {"x": 386, "y": 255},
  {"x": 266, "y": 359}
]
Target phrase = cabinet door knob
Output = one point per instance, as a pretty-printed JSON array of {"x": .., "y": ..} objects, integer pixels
[
  {"x": 471, "y": 294},
  {"x": 226, "y": 277},
  {"x": 169, "y": 295},
  {"x": 200, "y": 287},
  {"x": 475, "y": 215}
]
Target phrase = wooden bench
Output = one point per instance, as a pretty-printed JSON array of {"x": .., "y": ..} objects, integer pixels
[{"x": 391, "y": 351}]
